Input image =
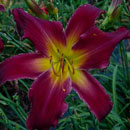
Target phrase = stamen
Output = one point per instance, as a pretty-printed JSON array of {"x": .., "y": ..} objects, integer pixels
[
  {"x": 53, "y": 67},
  {"x": 70, "y": 65},
  {"x": 58, "y": 51},
  {"x": 62, "y": 62}
]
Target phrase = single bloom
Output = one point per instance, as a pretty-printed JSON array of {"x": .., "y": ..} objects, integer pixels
[{"x": 60, "y": 62}]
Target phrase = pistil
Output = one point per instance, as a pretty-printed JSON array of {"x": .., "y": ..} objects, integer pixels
[{"x": 62, "y": 62}]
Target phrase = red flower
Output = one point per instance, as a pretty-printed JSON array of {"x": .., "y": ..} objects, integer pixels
[{"x": 60, "y": 63}]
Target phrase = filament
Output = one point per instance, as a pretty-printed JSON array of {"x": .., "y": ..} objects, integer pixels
[
  {"x": 70, "y": 65},
  {"x": 53, "y": 67}
]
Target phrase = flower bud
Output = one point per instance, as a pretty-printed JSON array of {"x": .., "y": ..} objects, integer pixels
[
  {"x": 113, "y": 13},
  {"x": 114, "y": 5},
  {"x": 34, "y": 7},
  {"x": 51, "y": 9}
]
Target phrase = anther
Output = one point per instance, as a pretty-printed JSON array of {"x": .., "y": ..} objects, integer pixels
[
  {"x": 50, "y": 59},
  {"x": 58, "y": 50}
]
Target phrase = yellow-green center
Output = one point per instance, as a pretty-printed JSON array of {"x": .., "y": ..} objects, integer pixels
[{"x": 61, "y": 63}]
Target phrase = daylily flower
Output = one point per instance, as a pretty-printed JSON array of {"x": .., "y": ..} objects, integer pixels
[
  {"x": 60, "y": 64},
  {"x": 1, "y": 45}
]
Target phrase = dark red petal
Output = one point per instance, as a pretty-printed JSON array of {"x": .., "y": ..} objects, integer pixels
[
  {"x": 82, "y": 19},
  {"x": 2, "y": 8},
  {"x": 92, "y": 93},
  {"x": 47, "y": 96},
  {"x": 96, "y": 47},
  {"x": 45, "y": 35},
  {"x": 22, "y": 66},
  {"x": 1, "y": 45}
]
